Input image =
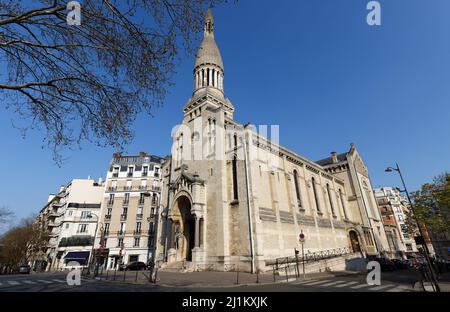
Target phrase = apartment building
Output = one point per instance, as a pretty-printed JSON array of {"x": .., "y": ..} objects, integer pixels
[
  {"x": 69, "y": 217},
  {"x": 395, "y": 207},
  {"x": 129, "y": 207}
]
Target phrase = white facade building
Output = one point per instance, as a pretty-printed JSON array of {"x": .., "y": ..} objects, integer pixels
[{"x": 400, "y": 209}]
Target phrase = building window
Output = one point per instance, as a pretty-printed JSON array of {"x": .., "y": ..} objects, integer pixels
[
  {"x": 331, "y": 201},
  {"x": 235, "y": 185},
  {"x": 297, "y": 188},
  {"x": 144, "y": 171},
  {"x": 151, "y": 228},
  {"x": 142, "y": 199},
  {"x": 111, "y": 199},
  {"x": 106, "y": 230},
  {"x": 70, "y": 212},
  {"x": 154, "y": 199},
  {"x": 341, "y": 197},
  {"x": 126, "y": 200},
  {"x": 85, "y": 214},
  {"x": 130, "y": 171},
  {"x": 82, "y": 228},
  {"x": 120, "y": 242},
  {"x": 138, "y": 227},
  {"x": 137, "y": 241},
  {"x": 316, "y": 199},
  {"x": 109, "y": 211},
  {"x": 67, "y": 225}
]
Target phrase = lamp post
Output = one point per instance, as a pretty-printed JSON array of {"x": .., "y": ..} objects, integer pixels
[
  {"x": 91, "y": 256},
  {"x": 427, "y": 252},
  {"x": 151, "y": 259}
]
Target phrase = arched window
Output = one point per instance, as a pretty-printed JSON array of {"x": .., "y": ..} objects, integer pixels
[
  {"x": 331, "y": 201},
  {"x": 235, "y": 186},
  {"x": 341, "y": 196},
  {"x": 316, "y": 198},
  {"x": 213, "y": 77},
  {"x": 297, "y": 188}
]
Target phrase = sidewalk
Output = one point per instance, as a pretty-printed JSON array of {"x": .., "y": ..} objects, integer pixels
[{"x": 208, "y": 278}]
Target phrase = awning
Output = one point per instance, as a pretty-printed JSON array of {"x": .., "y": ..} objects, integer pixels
[{"x": 77, "y": 255}]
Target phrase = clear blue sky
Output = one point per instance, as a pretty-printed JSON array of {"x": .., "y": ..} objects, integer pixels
[{"x": 315, "y": 68}]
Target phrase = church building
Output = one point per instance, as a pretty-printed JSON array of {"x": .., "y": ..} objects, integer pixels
[{"x": 232, "y": 197}]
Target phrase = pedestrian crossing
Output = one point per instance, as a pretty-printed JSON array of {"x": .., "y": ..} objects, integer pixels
[
  {"x": 37, "y": 282},
  {"x": 351, "y": 285}
]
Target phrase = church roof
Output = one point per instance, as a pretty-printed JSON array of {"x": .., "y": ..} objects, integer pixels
[
  {"x": 209, "y": 53},
  {"x": 329, "y": 160}
]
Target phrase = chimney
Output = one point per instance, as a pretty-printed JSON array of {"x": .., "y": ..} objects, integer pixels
[
  {"x": 100, "y": 181},
  {"x": 142, "y": 154},
  {"x": 117, "y": 155},
  {"x": 334, "y": 157}
]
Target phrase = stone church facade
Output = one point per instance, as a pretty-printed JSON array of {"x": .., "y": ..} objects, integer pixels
[{"x": 231, "y": 197}]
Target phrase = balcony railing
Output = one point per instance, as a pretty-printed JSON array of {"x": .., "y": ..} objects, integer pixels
[
  {"x": 143, "y": 187},
  {"x": 129, "y": 174},
  {"x": 127, "y": 188},
  {"x": 137, "y": 232},
  {"x": 156, "y": 188},
  {"x": 126, "y": 202},
  {"x": 121, "y": 232},
  {"x": 144, "y": 174},
  {"x": 123, "y": 217},
  {"x": 112, "y": 188},
  {"x": 110, "y": 203},
  {"x": 141, "y": 202},
  {"x": 139, "y": 216},
  {"x": 106, "y": 233},
  {"x": 107, "y": 217}
]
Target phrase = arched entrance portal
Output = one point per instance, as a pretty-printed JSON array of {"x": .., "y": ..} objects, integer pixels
[
  {"x": 354, "y": 241},
  {"x": 183, "y": 229}
]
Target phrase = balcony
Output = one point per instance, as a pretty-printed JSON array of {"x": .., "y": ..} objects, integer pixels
[
  {"x": 115, "y": 175},
  {"x": 106, "y": 233},
  {"x": 121, "y": 232},
  {"x": 144, "y": 174},
  {"x": 151, "y": 232},
  {"x": 127, "y": 188},
  {"x": 112, "y": 188},
  {"x": 126, "y": 203},
  {"x": 54, "y": 224},
  {"x": 137, "y": 232},
  {"x": 156, "y": 174},
  {"x": 107, "y": 217},
  {"x": 143, "y": 187},
  {"x": 130, "y": 174},
  {"x": 110, "y": 203},
  {"x": 156, "y": 188},
  {"x": 123, "y": 217},
  {"x": 139, "y": 216}
]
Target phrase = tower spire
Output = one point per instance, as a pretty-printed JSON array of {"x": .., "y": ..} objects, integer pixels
[
  {"x": 208, "y": 68},
  {"x": 209, "y": 23}
]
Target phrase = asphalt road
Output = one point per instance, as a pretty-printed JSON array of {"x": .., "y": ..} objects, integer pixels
[{"x": 56, "y": 282}]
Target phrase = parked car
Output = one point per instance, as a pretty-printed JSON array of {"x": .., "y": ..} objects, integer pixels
[
  {"x": 136, "y": 266},
  {"x": 24, "y": 269},
  {"x": 401, "y": 264},
  {"x": 385, "y": 264}
]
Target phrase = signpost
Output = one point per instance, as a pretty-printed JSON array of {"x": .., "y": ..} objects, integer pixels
[{"x": 301, "y": 239}]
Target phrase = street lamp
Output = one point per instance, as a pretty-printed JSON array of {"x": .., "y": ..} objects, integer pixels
[
  {"x": 151, "y": 261},
  {"x": 427, "y": 252},
  {"x": 93, "y": 244}
]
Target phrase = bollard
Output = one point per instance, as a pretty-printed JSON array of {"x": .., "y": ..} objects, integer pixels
[
  {"x": 136, "y": 278},
  {"x": 274, "y": 278}
]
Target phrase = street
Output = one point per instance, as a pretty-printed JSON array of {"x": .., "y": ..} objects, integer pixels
[{"x": 56, "y": 282}]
